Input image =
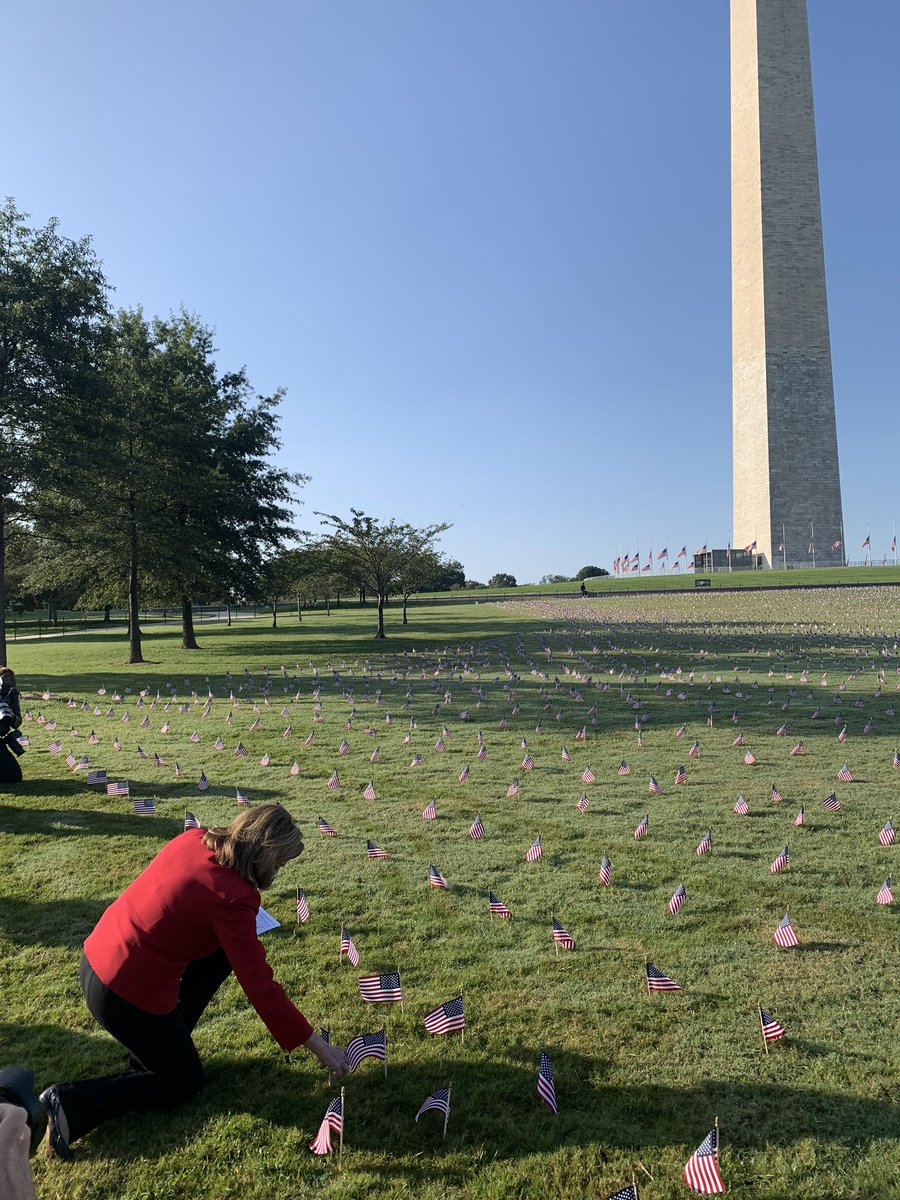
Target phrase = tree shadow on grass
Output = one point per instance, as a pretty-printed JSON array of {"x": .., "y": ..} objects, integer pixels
[
  {"x": 495, "y": 1102},
  {"x": 50, "y": 922},
  {"x": 79, "y": 822}
]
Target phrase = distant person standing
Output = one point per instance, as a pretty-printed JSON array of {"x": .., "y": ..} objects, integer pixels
[{"x": 10, "y": 720}]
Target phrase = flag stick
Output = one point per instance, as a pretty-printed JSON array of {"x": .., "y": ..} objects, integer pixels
[
  {"x": 647, "y": 979},
  {"x": 341, "y": 1134},
  {"x": 555, "y": 942},
  {"x": 340, "y": 940},
  {"x": 634, "y": 1186},
  {"x": 400, "y": 984},
  {"x": 447, "y": 1113},
  {"x": 761, "y": 1028}
]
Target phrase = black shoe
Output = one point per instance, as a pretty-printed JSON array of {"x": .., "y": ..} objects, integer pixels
[
  {"x": 59, "y": 1126},
  {"x": 17, "y": 1087}
]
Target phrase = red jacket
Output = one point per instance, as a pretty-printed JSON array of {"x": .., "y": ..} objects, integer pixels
[{"x": 182, "y": 907}]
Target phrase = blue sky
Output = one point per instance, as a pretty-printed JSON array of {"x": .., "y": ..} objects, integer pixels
[{"x": 484, "y": 245}]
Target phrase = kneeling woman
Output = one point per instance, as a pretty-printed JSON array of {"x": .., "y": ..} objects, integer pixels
[{"x": 157, "y": 957}]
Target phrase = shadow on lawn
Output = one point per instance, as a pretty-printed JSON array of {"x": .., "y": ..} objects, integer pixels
[
  {"x": 78, "y": 822},
  {"x": 495, "y": 1102}
]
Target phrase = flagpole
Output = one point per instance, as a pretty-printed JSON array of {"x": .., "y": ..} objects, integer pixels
[
  {"x": 761, "y": 1027},
  {"x": 400, "y": 985},
  {"x": 634, "y": 1186},
  {"x": 341, "y": 1134},
  {"x": 340, "y": 939},
  {"x": 462, "y": 1032},
  {"x": 647, "y": 978},
  {"x": 555, "y": 942},
  {"x": 447, "y": 1113},
  {"x": 783, "y": 548}
]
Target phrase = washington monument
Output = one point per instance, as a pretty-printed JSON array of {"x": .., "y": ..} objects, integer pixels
[{"x": 787, "y": 491}]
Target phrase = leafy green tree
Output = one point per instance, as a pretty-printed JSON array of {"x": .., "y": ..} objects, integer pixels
[
  {"x": 590, "y": 573},
  {"x": 378, "y": 551},
  {"x": 502, "y": 580},
  {"x": 554, "y": 579},
  {"x": 53, "y": 305}
]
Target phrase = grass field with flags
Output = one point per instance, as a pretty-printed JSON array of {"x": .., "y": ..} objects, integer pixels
[{"x": 642, "y": 972}]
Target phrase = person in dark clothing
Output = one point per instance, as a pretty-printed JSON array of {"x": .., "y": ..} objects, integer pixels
[{"x": 10, "y": 720}]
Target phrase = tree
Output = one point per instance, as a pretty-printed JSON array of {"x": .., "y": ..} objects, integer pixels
[
  {"x": 379, "y": 552},
  {"x": 502, "y": 580},
  {"x": 554, "y": 579},
  {"x": 590, "y": 573},
  {"x": 52, "y": 311},
  {"x": 418, "y": 574}
]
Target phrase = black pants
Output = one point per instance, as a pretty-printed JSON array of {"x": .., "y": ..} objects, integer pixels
[
  {"x": 172, "y": 1072},
  {"x": 10, "y": 771}
]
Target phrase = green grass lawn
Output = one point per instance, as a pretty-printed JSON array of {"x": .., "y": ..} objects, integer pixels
[{"x": 639, "y": 1079}]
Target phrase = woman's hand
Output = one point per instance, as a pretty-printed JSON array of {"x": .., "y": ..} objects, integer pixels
[{"x": 333, "y": 1058}]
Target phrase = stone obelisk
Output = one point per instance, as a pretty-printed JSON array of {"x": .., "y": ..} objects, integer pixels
[{"x": 787, "y": 490}]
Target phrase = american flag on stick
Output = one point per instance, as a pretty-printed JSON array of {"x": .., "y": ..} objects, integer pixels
[
  {"x": 832, "y": 803},
  {"x": 534, "y": 851},
  {"x": 800, "y": 818},
  {"x": 582, "y": 803},
  {"x": 701, "y": 1171},
  {"x": 780, "y": 862},
  {"x": 624, "y": 768},
  {"x": 704, "y": 845},
  {"x": 446, "y": 1018},
  {"x": 302, "y": 907},
  {"x": 642, "y": 827},
  {"x": 325, "y": 829},
  {"x": 497, "y": 907},
  {"x": 381, "y": 989},
  {"x": 545, "y": 1086},
  {"x": 332, "y": 1122},
  {"x": 771, "y": 1030},
  {"x": 190, "y": 821},
  {"x": 367, "y": 1045},
  {"x": 438, "y": 1101},
  {"x": 144, "y": 808},
  {"x": 587, "y": 775},
  {"x": 605, "y": 872},
  {"x": 844, "y": 775},
  {"x": 784, "y": 935},
  {"x": 658, "y": 982},
  {"x": 369, "y": 793},
  {"x": 653, "y": 787},
  {"x": 373, "y": 850},
  {"x": 334, "y": 782},
  {"x": 887, "y": 835},
  {"x": 885, "y": 896},
  {"x": 117, "y": 788},
  {"x": 676, "y": 903},
  {"x": 429, "y": 813},
  {"x": 560, "y": 936},
  {"x": 348, "y": 948},
  {"x": 741, "y": 807},
  {"x": 476, "y": 829},
  {"x": 436, "y": 879}
]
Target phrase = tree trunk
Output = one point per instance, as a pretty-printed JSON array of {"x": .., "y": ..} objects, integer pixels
[
  {"x": 405, "y": 598},
  {"x": 52, "y": 615},
  {"x": 275, "y": 613},
  {"x": 362, "y": 597},
  {"x": 106, "y": 613},
  {"x": 188, "y": 640},
  {"x": 134, "y": 625},
  {"x": 229, "y": 613},
  {"x": 299, "y": 613},
  {"x": 379, "y": 631},
  {"x": 3, "y": 658}
]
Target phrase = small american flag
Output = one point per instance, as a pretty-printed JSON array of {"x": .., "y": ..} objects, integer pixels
[
  {"x": 343, "y": 748},
  {"x": 98, "y": 776},
  {"x": 800, "y": 818},
  {"x": 117, "y": 788},
  {"x": 310, "y": 738},
  {"x": 582, "y": 804},
  {"x": 482, "y": 753},
  {"x": 643, "y": 827},
  {"x": 218, "y": 744},
  {"x": 605, "y": 872},
  {"x": 295, "y": 767},
  {"x": 528, "y": 763},
  {"x": 784, "y": 935},
  {"x": 626, "y": 1193},
  {"x": 842, "y": 736},
  {"x": 741, "y": 807},
  {"x": 896, "y": 760},
  {"x": 560, "y": 936},
  {"x": 302, "y": 906},
  {"x": 780, "y": 862},
  {"x": 369, "y": 793},
  {"x": 55, "y": 747},
  {"x": 476, "y": 829},
  {"x": 704, "y": 845},
  {"x": 381, "y": 989},
  {"x": 348, "y": 948},
  {"x": 190, "y": 821},
  {"x": 781, "y": 731},
  {"x": 776, "y": 795},
  {"x": 658, "y": 982},
  {"x": 436, "y": 879},
  {"x": 587, "y": 775},
  {"x": 694, "y": 751},
  {"x": 676, "y": 903},
  {"x": 440, "y": 745},
  {"x": 887, "y": 835},
  {"x": 333, "y": 782},
  {"x": 497, "y": 907},
  {"x": 446, "y": 1018},
  {"x": 513, "y": 789},
  {"x": 438, "y": 1101},
  {"x": 416, "y": 760},
  {"x": 844, "y": 775},
  {"x": 796, "y": 750},
  {"x": 832, "y": 803},
  {"x": 749, "y": 760},
  {"x": 739, "y": 740},
  {"x": 141, "y": 752},
  {"x": 771, "y": 1030},
  {"x": 71, "y": 761},
  {"x": 545, "y": 1087},
  {"x": 679, "y": 733},
  {"x": 701, "y": 1171},
  {"x": 374, "y": 851},
  {"x": 332, "y": 1122},
  {"x": 240, "y": 750},
  {"x": 566, "y": 756},
  {"x": 681, "y": 775},
  {"x": 325, "y": 829},
  {"x": 367, "y": 1045},
  {"x": 203, "y": 783},
  {"x": 144, "y": 808},
  {"x": 93, "y": 739},
  {"x": 653, "y": 787},
  {"x": 241, "y": 797},
  {"x": 534, "y": 851},
  {"x": 624, "y": 768},
  {"x": 885, "y": 896},
  {"x": 429, "y": 813},
  {"x": 195, "y": 737},
  {"x": 265, "y": 760},
  {"x": 375, "y": 755}
]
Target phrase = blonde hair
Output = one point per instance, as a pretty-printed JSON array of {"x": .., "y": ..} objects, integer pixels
[{"x": 257, "y": 843}]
